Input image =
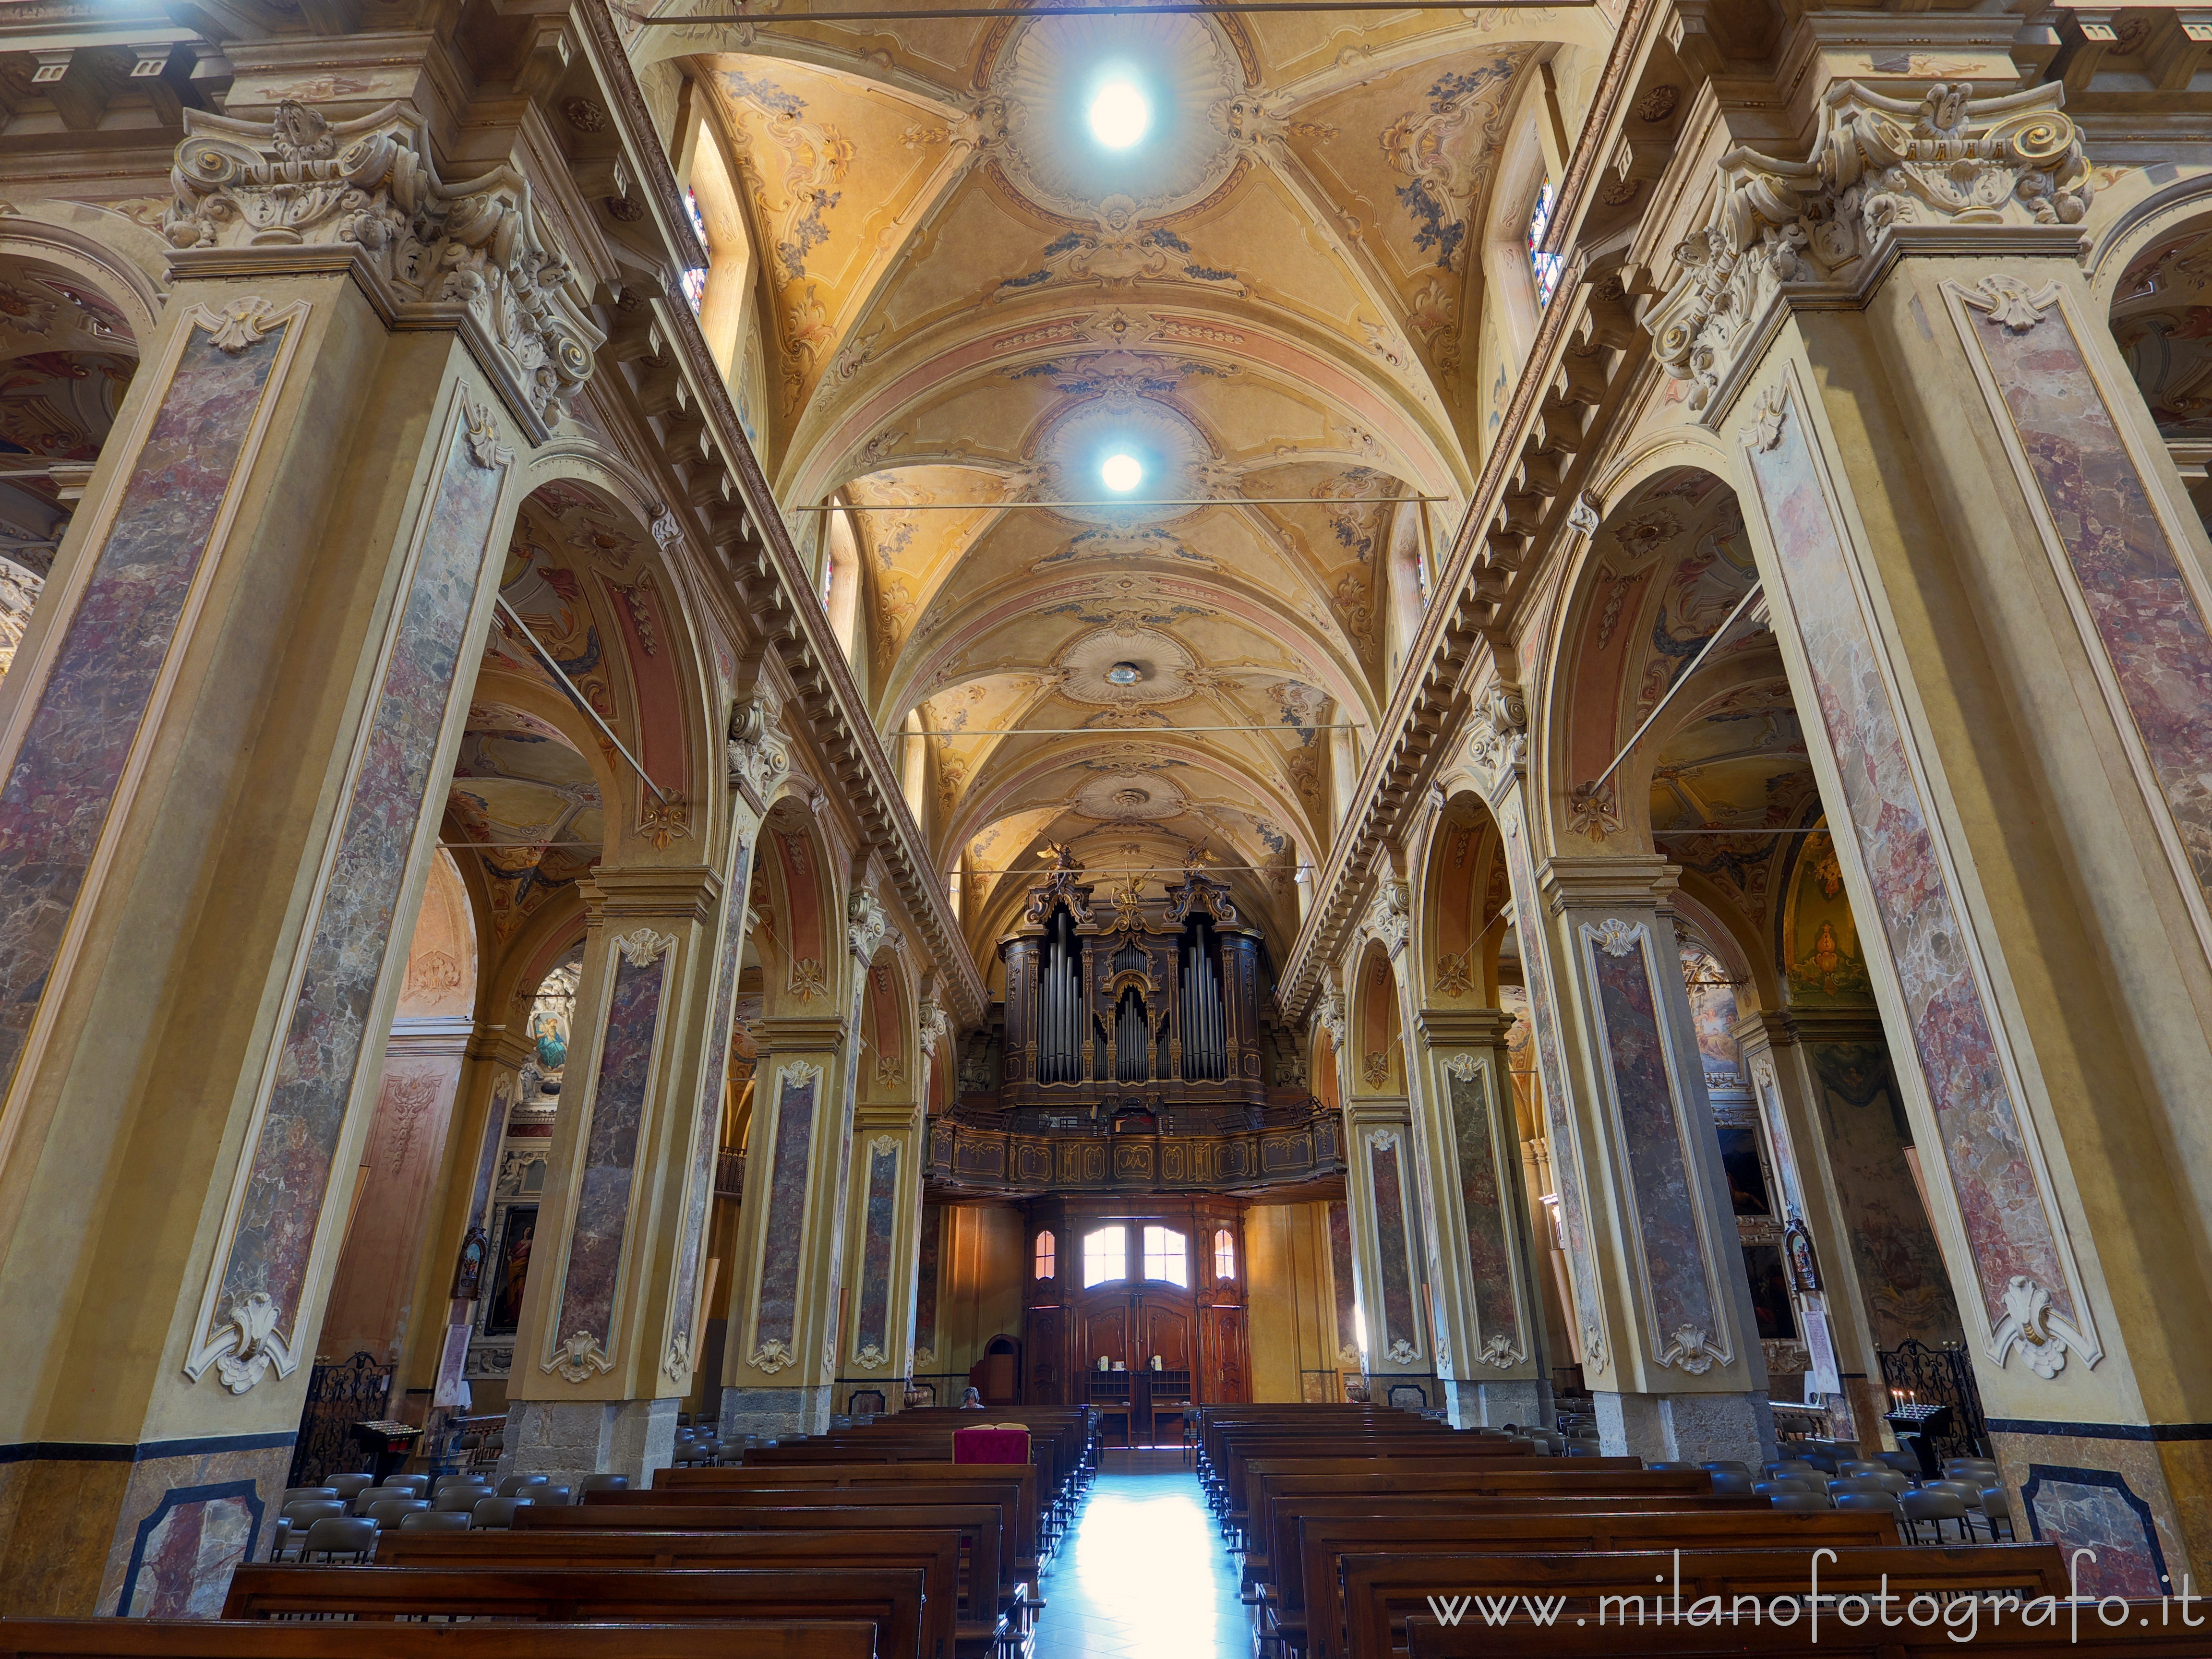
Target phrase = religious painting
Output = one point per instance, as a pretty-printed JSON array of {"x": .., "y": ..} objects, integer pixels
[
  {"x": 1747, "y": 1174},
  {"x": 510, "y": 1271},
  {"x": 1804, "y": 1266},
  {"x": 1821, "y": 949},
  {"x": 1769, "y": 1294},
  {"x": 468, "y": 1271}
]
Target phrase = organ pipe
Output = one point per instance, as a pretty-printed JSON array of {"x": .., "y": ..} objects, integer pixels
[
  {"x": 1203, "y": 1024},
  {"x": 1061, "y": 1043}
]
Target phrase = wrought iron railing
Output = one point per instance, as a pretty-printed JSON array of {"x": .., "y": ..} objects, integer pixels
[
  {"x": 339, "y": 1395},
  {"x": 729, "y": 1175},
  {"x": 1944, "y": 1376}
]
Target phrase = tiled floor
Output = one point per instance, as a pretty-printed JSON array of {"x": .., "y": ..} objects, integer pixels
[{"x": 1146, "y": 1575}]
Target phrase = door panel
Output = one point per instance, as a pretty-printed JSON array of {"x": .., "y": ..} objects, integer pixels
[
  {"x": 1164, "y": 1328},
  {"x": 1105, "y": 1330},
  {"x": 1226, "y": 1369},
  {"x": 1048, "y": 1328}
]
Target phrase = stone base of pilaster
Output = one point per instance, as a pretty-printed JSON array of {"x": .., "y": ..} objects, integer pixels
[
  {"x": 777, "y": 1413},
  {"x": 2142, "y": 1507},
  {"x": 1685, "y": 1428},
  {"x": 1478, "y": 1405},
  {"x": 565, "y": 1440},
  {"x": 99, "y": 1533}
]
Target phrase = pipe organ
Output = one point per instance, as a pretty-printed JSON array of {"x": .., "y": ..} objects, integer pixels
[{"x": 1139, "y": 1003}]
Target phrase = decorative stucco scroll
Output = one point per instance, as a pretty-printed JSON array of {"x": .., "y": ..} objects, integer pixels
[
  {"x": 1881, "y": 169},
  {"x": 470, "y": 255}
]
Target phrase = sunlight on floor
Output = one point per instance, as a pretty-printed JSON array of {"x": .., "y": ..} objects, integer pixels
[{"x": 1145, "y": 1574}]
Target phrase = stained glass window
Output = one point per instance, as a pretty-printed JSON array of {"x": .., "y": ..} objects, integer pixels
[
  {"x": 1546, "y": 265},
  {"x": 695, "y": 282}
]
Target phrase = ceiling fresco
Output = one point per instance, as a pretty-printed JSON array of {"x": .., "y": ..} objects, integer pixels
[{"x": 1254, "y": 297}]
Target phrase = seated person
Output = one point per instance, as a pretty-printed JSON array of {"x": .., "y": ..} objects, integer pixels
[{"x": 972, "y": 1400}]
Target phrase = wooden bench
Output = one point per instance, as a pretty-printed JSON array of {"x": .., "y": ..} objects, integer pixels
[
  {"x": 936, "y": 1552},
  {"x": 993, "y": 1594},
  {"x": 1367, "y": 1612},
  {"x": 1549, "y": 1479},
  {"x": 890, "y": 1598},
  {"x": 211, "y": 1638},
  {"x": 1024, "y": 1536},
  {"x": 2151, "y": 1630},
  {"x": 1633, "y": 1591},
  {"x": 1013, "y": 1488},
  {"x": 1322, "y": 1527}
]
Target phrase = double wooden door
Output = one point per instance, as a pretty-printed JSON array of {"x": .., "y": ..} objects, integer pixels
[{"x": 1130, "y": 1323}]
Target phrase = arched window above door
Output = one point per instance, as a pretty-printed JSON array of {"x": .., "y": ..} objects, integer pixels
[
  {"x": 1165, "y": 1256},
  {"x": 1105, "y": 1256},
  {"x": 1225, "y": 1254},
  {"x": 1048, "y": 1255}
]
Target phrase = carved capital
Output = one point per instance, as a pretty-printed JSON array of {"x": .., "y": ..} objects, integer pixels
[
  {"x": 1390, "y": 917},
  {"x": 470, "y": 254},
  {"x": 1881, "y": 169},
  {"x": 865, "y": 923},
  {"x": 643, "y": 947},
  {"x": 935, "y": 1026}
]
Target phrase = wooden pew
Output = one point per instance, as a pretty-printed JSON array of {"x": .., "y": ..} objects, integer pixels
[
  {"x": 832, "y": 1466},
  {"x": 891, "y": 1598},
  {"x": 1320, "y": 1528},
  {"x": 993, "y": 1594},
  {"x": 1293, "y": 1478},
  {"x": 934, "y": 1554},
  {"x": 2150, "y": 1630},
  {"x": 1361, "y": 1613},
  {"x": 1499, "y": 1477},
  {"x": 1493, "y": 1455},
  {"x": 1635, "y": 1591},
  {"x": 209, "y": 1639}
]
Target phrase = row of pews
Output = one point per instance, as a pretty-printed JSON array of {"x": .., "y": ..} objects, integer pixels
[
  {"x": 1371, "y": 1534},
  {"x": 867, "y": 1543}
]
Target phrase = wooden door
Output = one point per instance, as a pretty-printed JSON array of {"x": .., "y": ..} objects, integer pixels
[{"x": 1222, "y": 1378}]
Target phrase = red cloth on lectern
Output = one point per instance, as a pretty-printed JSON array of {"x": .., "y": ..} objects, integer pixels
[{"x": 990, "y": 1445}]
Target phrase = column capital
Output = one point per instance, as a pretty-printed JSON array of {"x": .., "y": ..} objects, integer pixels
[
  {"x": 1774, "y": 1028},
  {"x": 1946, "y": 174},
  {"x": 300, "y": 193},
  {"x": 671, "y": 892},
  {"x": 1645, "y": 880},
  {"x": 796, "y": 1034},
  {"x": 1463, "y": 1028}
]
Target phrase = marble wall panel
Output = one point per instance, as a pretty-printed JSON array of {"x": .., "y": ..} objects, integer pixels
[
  {"x": 871, "y": 1338},
  {"x": 619, "y": 1097},
  {"x": 1650, "y": 1118},
  {"x": 79, "y": 735},
  {"x": 1552, "y": 1073},
  {"x": 2008, "y": 1230},
  {"x": 1497, "y": 1310},
  {"x": 2144, "y": 618},
  {"x": 925, "y": 1289},
  {"x": 706, "y": 1136},
  {"x": 1394, "y": 1246},
  {"x": 776, "y": 1309},
  {"x": 186, "y": 1519},
  {"x": 1908, "y": 1293},
  {"x": 349, "y": 937},
  {"x": 1346, "y": 1286}
]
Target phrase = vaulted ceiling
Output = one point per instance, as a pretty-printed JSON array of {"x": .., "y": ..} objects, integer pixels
[{"x": 965, "y": 301}]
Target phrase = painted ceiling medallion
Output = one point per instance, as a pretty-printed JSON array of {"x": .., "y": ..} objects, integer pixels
[
  {"x": 1129, "y": 798},
  {"x": 1057, "y": 68},
  {"x": 1091, "y": 668}
]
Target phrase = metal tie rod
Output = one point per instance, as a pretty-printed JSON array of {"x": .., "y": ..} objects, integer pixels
[
  {"x": 1132, "y": 505},
  {"x": 1677, "y": 683},
  {"x": 1177, "y": 8},
  {"x": 1116, "y": 731},
  {"x": 577, "y": 696}
]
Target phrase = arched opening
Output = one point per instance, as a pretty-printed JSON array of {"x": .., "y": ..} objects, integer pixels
[
  {"x": 67, "y": 356},
  {"x": 1673, "y": 638}
]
